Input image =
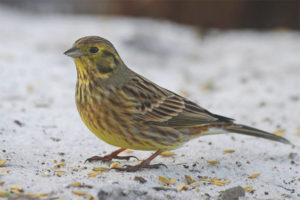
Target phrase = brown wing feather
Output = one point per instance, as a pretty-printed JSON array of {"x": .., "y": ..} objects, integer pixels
[{"x": 162, "y": 107}]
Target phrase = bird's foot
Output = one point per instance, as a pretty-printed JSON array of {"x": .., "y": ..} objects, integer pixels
[
  {"x": 143, "y": 165},
  {"x": 108, "y": 158}
]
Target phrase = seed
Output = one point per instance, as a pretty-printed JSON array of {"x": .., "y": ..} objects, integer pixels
[
  {"x": 100, "y": 169},
  {"x": 79, "y": 192},
  {"x": 2, "y": 162},
  {"x": 206, "y": 179},
  {"x": 128, "y": 151},
  {"x": 75, "y": 184},
  {"x": 248, "y": 189},
  {"x": 32, "y": 195},
  {"x": 2, "y": 182},
  {"x": 59, "y": 165},
  {"x": 167, "y": 154},
  {"x": 228, "y": 151},
  {"x": 114, "y": 165},
  {"x": 90, "y": 197},
  {"x": 218, "y": 182},
  {"x": 16, "y": 187},
  {"x": 212, "y": 162},
  {"x": 253, "y": 176},
  {"x": 172, "y": 181},
  {"x": 163, "y": 180},
  {"x": 43, "y": 194},
  {"x": 279, "y": 132},
  {"x": 59, "y": 172},
  {"x": 93, "y": 174},
  {"x": 182, "y": 187},
  {"x": 15, "y": 191},
  {"x": 3, "y": 193},
  {"x": 195, "y": 184}
]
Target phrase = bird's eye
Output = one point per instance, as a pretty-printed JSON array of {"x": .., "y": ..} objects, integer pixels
[{"x": 94, "y": 49}]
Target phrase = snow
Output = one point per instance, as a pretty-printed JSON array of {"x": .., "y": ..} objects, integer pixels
[{"x": 247, "y": 75}]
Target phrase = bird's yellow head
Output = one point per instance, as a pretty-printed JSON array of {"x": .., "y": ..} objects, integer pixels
[{"x": 95, "y": 58}]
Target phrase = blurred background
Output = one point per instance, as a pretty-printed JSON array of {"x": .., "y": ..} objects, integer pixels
[{"x": 229, "y": 14}]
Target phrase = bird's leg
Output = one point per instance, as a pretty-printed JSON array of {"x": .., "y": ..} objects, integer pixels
[
  {"x": 109, "y": 157},
  {"x": 143, "y": 164}
]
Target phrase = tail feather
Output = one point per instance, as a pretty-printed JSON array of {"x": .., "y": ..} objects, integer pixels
[{"x": 246, "y": 130}]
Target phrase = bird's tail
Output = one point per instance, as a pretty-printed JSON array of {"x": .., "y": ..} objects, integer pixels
[{"x": 246, "y": 130}]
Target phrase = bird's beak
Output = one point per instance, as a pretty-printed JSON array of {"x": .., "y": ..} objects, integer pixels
[{"x": 74, "y": 52}]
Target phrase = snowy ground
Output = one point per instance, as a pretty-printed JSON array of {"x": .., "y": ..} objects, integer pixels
[{"x": 251, "y": 76}]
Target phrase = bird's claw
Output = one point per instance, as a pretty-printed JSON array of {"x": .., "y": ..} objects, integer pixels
[{"x": 126, "y": 157}]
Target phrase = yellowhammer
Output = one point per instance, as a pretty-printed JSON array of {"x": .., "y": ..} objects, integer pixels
[{"x": 127, "y": 110}]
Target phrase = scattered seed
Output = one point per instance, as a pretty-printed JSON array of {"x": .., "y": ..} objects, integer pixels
[
  {"x": 219, "y": 182},
  {"x": 279, "y": 132},
  {"x": 197, "y": 190},
  {"x": 298, "y": 179},
  {"x": 195, "y": 184},
  {"x": 90, "y": 197},
  {"x": 182, "y": 187},
  {"x": 16, "y": 187},
  {"x": 254, "y": 176},
  {"x": 32, "y": 195},
  {"x": 189, "y": 179},
  {"x": 100, "y": 169},
  {"x": 1, "y": 182},
  {"x": 114, "y": 165},
  {"x": 205, "y": 179},
  {"x": 228, "y": 151},
  {"x": 2, "y": 162},
  {"x": 167, "y": 154},
  {"x": 172, "y": 181},
  {"x": 75, "y": 184},
  {"x": 248, "y": 189},
  {"x": 43, "y": 194},
  {"x": 3, "y": 193},
  {"x": 59, "y": 172},
  {"x": 36, "y": 195},
  {"x": 128, "y": 151},
  {"x": 163, "y": 180},
  {"x": 59, "y": 165},
  {"x": 212, "y": 162},
  {"x": 93, "y": 174},
  {"x": 79, "y": 192}
]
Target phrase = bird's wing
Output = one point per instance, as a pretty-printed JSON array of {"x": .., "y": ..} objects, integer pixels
[{"x": 159, "y": 106}]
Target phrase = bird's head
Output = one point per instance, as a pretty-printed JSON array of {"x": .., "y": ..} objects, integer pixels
[{"x": 94, "y": 56}]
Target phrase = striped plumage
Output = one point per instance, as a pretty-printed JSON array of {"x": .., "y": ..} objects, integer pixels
[{"x": 127, "y": 110}]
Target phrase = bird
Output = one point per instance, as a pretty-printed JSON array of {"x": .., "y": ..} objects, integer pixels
[{"x": 127, "y": 110}]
